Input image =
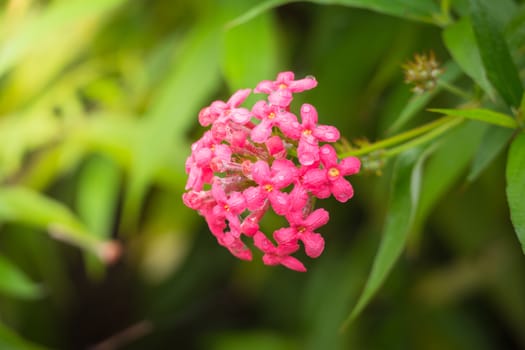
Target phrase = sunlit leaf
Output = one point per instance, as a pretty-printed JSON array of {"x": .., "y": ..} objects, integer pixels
[
  {"x": 484, "y": 115},
  {"x": 501, "y": 69},
  {"x": 54, "y": 18},
  {"x": 193, "y": 77},
  {"x": 97, "y": 199},
  {"x": 515, "y": 175},
  {"x": 24, "y": 206},
  {"x": 15, "y": 283}
]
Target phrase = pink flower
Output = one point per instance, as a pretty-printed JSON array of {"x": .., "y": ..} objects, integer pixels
[
  {"x": 278, "y": 255},
  {"x": 271, "y": 116},
  {"x": 249, "y": 162},
  {"x": 228, "y": 206},
  {"x": 303, "y": 229},
  {"x": 282, "y": 89},
  {"x": 331, "y": 179},
  {"x": 220, "y": 111},
  {"x": 236, "y": 246},
  {"x": 311, "y": 134},
  {"x": 270, "y": 182}
]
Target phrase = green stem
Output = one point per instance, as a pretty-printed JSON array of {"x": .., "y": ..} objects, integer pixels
[
  {"x": 391, "y": 141},
  {"x": 423, "y": 139},
  {"x": 454, "y": 90}
]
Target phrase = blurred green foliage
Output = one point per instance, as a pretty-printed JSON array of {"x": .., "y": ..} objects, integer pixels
[{"x": 99, "y": 103}]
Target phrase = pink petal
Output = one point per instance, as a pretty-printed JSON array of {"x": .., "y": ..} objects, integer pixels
[
  {"x": 254, "y": 197},
  {"x": 292, "y": 263},
  {"x": 285, "y": 77},
  {"x": 261, "y": 110},
  {"x": 303, "y": 84},
  {"x": 328, "y": 156},
  {"x": 237, "y": 247},
  {"x": 298, "y": 198},
  {"x": 285, "y": 173},
  {"x": 309, "y": 116},
  {"x": 263, "y": 243},
  {"x": 250, "y": 225},
  {"x": 287, "y": 248},
  {"x": 265, "y": 86},
  {"x": 206, "y": 117},
  {"x": 261, "y": 172},
  {"x": 218, "y": 192},
  {"x": 342, "y": 190},
  {"x": 239, "y": 97},
  {"x": 285, "y": 235},
  {"x": 262, "y": 131},
  {"x": 326, "y": 133},
  {"x": 241, "y": 115},
  {"x": 271, "y": 260},
  {"x": 279, "y": 201},
  {"x": 281, "y": 98},
  {"x": 307, "y": 152},
  {"x": 316, "y": 219},
  {"x": 237, "y": 203},
  {"x": 314, "y": 178},
  {"x": 289, "y": 125},
  {"x": 275, "y": 146},
  {"x": 313, "y": 244},
  {"x": 349, "y": 166}
]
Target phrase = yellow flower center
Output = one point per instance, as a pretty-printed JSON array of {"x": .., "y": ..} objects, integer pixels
[
  {"x": 333, "y": 172},
  {"x": 307, "y": 132},
  {"x": 226, "y": 207},
  {"x": 271, "y": 115},
  {"x": 283, "y": 86},
  {"x": 268, "y": 188}
]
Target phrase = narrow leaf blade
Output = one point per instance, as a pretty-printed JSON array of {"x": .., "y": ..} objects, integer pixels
[
  {"x": 15, "y": 283},
  {"x": 26, "y": 206},
  {"x": 484, "y": 115},
  {"x": 461, "y": 43},
  {"x": 401, "y": 209},
  {"x": 515, "y": 175},
  {"x": 501, "y": 69}
]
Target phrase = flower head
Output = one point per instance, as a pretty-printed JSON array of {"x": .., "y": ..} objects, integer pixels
[{"x": 260, "y": 159}]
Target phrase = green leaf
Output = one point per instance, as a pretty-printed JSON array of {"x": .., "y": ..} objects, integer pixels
[
  {"x": 244, "y": 68},
  {"x": 54, "y": 18},
  {"x": 11, "y": 340},
  {"x": 419, "y": 10},
  {"x": 174, "y": 110},
  {"x": 401, "y": 209},
  {"x": 15, "y": 283},
  {"x": 493, "y": 142},
  {"x": 418, "y": 102},
  {"x": 501, "y": 69},
  {"x": 446, "y": 165},
  {"x": 515, "y": 29},
  {"x": 484, "y": 115},
  {"x": 97, "y": 199},
  {"x": 22, "y": 205},
  {"x": 461, "y": 43},
  {"x": 515, "y": 174}
]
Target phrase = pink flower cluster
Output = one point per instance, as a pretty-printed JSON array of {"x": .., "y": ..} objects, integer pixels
[{"x": 252, "y": 160}]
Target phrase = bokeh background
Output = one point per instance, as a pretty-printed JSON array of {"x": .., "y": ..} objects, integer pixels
[{"x": 98, "y": 106}]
